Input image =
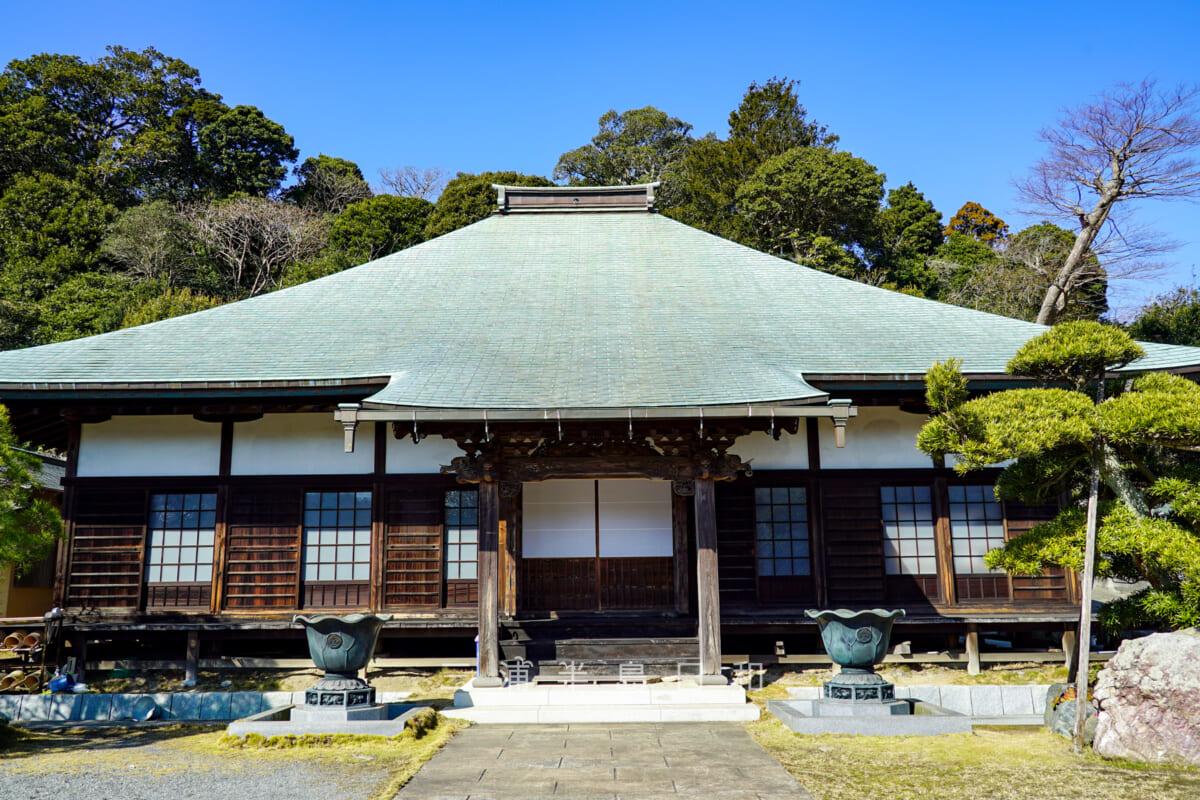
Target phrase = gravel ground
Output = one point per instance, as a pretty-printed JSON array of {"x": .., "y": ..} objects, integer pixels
[{"x": 158, "y": 771}]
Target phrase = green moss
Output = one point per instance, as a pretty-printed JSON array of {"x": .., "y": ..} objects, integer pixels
[{"x": 992, "y": 763}]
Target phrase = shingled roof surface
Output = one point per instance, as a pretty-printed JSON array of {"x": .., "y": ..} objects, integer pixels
[{"x": 556, "y": 310}]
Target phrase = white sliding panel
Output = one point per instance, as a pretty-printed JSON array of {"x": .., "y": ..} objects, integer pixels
[
  {"x": 635, "y": 518},
  {"x": 559, "y": 519}
]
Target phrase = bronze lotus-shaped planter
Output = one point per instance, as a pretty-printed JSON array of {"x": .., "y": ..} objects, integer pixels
[
  {"x": 857, "y": 641},
  {"x": 341, "y": 646}
]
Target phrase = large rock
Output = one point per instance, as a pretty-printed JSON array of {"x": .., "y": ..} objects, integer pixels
[
  {"x": 1149, "y": 696},
  {"x": 1062, "y": 721}
]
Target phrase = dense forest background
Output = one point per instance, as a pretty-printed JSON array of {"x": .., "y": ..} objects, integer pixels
[{"x": 129, "y": 194}]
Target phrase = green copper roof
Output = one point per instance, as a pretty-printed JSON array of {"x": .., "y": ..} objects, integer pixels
[{"x": 555, "y": 310}]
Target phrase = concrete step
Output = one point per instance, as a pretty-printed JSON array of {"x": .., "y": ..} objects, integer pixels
[
  {"x": 515, "y": 715},
  {"x": 687, "y": 693},
  {"x": 657, "y": 649}
]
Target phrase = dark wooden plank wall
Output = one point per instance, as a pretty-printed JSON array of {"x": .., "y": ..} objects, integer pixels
[
  {"x": 851, "y": 522},
  {"x": 413, "y": 516},
  {"x": 853, "y": 539},
  {"x": 637, "y": 583},
  {"x": 736, "y": 567},
  {"x": 263, "y": 549},
  {"x": 261, "y": 569},
  {"x": 412, "y": 570},
  {"x": 263, "y": 554},
  {"x": 107, "y": 548},
  {"x": 178, "y": 595},
  {"x": 1054, "y": 585},
  {"x": 558, "y": 584}
]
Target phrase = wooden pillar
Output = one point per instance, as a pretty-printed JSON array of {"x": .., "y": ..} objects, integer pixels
[
  {"x": 816, "y": 514},
  {"x": 510, "y": 525},
  {"x": 972, "y": 650},
  {"x": 378, "y": 535},
  {"x": 62, "y": 565},
  {"x": 221, "y": 535},
  {"x": 489, "y": 585},
  {"x": 679, "y": 537},
  {"x": 943, "y": 544},
  {"x": 191, "y": 670},
  {"x": 1070, "y": 646},
  {"x": 707, "y": 586},
  {"x": 512, "y": 555}
]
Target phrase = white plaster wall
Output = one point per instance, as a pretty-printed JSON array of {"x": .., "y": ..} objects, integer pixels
[
  {"x": 427, "y": 455},
  {"x": 149, "y": 445},
  {"x": 790, "y": 452},
  {"x": 558, "y": 519},
  {"x": 635, "y": 519},
  {"x": 299, "y": 444},
  {"x": 880, "y": 437}
]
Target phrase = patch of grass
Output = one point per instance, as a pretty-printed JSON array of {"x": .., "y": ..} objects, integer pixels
[
  {"x": 206, "y": 681},
  {"x": 167, "y": 750},
  {"x": 403, "y": 755},
  {"x": 992, "y": 763}
]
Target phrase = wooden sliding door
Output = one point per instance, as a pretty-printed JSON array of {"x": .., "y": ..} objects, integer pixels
[{"x": 593, "y": 545}]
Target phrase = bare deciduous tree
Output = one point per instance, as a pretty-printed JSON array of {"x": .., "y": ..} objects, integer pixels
[
  {"x": 253, "y": 240},
  {"x": 150, "y": 241},
  {"x": 424, "y": 183},
  {"x": 328, "y": 191},
  {"x": 1133, "y": 142}
]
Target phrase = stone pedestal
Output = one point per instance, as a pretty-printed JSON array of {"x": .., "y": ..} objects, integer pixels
[
  {"x": 339, "y": 691},
  {"x": 859, "y": 686},
  {"x": 841, "y": 708},
  {"x": 306, "y": 713},
  {"x": 340, "y": 697}
]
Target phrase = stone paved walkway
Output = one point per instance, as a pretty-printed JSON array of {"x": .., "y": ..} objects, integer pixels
[{"x": 614, "y": 762}]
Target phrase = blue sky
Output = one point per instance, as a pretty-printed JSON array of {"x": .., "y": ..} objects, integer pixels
[{"x": 949, "y": 96}]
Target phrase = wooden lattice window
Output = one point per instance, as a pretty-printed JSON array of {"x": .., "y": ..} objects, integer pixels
[
  {"x": 909, "y": 545},
  {"x": 182, "y": 530},
  {"x": 976, "y": 526},
  {"x": 462, "y": 534},
  {"x": 337, "y": 536},
  {"x": 781, "y": 531}
]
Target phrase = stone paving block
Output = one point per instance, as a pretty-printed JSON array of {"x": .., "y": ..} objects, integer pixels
[
  {"x": 600, "y": 713},
  {"x": 163, "y": 701},
  {"x": 805, "y": 692},
  {"x": 987, "y": 701},
  {"x": 10, "y": 705},
  {"x": 276, "y": 700},
  {"x": 65, "y": 707},
  {"x": 579, "y": 790},
  {"x": 185, "y": 706},
  {"x": 243, "y": 704},
  {"x": 35, "y": 708},
  {"x": 96, "y": 707},
  {"x": 1039, "y": 697},
  {"x": 709, "y": 761},
  {"x": 926, "y": 694},
  {"x": 215, "y": 705},
  {"x": 1017, "y": 699},
  {"x": 122, "y": 706},
  {"x": 957, "y": 698}
]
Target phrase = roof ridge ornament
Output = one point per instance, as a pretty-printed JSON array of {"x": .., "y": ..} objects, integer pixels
[{"x": 566, "y": 199}]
